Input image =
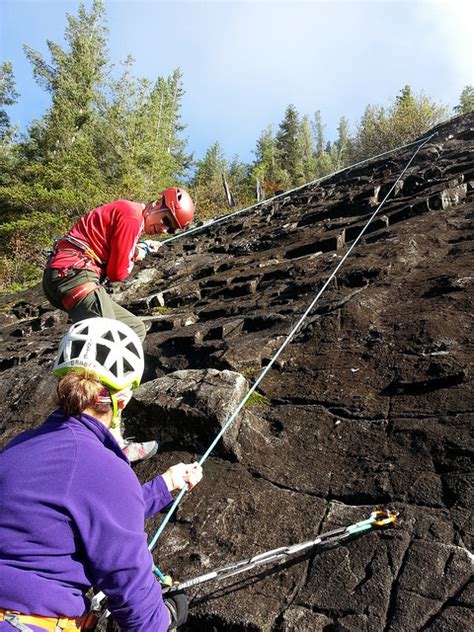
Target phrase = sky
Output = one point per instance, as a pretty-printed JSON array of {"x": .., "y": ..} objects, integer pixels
[{"x": 244, "y": 62}]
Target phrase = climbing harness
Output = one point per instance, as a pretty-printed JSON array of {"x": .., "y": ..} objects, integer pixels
[
  {"x": 86, "y": 256},
  {"x": 21, "y": 622},
  {"x": 78, "y": 245},
  {"x": 378, "y": 518}
]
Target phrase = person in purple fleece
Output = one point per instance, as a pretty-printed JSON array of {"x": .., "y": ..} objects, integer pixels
[{"x": 72, "y": 510}]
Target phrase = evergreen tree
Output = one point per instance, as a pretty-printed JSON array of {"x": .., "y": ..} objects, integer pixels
[
  {"x": 242, "y": 186},
  {"x": 289, "y": 149},
  {"x": 8, "y": 96},
  {"x": 56, "y": 167},
  {"x": 8, "y": 151},
  {"x": 207, "y": 189},
  {"x": 408, "y": 117},
  {"x": 466, "y": 101},
  {"x": 115, "y": 133},
  {"x": 62, "y": 140},
  {"x": 138, "y": 141},
  {"x": 341, "y": 150},
  {"x": 323, "y": 160},
  {"x": 307, "y": 150},
  {"x": 266, "y": 168}
]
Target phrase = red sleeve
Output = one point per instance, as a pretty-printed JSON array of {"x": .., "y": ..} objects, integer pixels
[{"x": 126, "y": 230}]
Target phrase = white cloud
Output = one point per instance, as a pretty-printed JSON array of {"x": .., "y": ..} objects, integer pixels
[{"x": 452, "y": 23}]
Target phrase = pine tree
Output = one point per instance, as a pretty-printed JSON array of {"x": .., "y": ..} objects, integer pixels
[
  {"x": 138, "y": 142},
  {"x": 62, "y": 140},
  {"x": 408, "y": 117},
  {"x": 288, "y": 147},
  {"x": 9, "y": 160},
  {"x": 466, "y": 101},
  {"x": 323, "y": 160},
  {"x": 266, "y": 168},
  {"x": 341, "y": 150},
  {"x": 206, "y": 185},
  {"x": 307, "y": 150},
  {"x": 241, "y": 183},
  {"x": 56, "y": 167},
  {"x": 8, "y": 96}
]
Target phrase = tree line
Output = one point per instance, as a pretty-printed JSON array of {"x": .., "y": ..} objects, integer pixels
[{"x": 109, "y": 134}]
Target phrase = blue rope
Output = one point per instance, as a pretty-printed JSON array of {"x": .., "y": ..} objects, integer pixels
[{"x": 285, "y": 343}]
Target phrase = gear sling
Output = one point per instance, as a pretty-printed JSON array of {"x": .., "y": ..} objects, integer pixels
[{"x": 70, "y": 300}]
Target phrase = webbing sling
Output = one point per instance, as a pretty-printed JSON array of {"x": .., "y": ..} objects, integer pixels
[
  {"x": 50, "y": 624},
  {"x": 72, "y": 298}
]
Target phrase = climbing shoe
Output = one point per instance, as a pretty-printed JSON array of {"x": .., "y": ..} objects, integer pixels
[{"x": 135, "y": 451}]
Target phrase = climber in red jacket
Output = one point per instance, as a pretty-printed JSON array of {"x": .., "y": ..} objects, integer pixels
[{"x": 104, "y": 245}]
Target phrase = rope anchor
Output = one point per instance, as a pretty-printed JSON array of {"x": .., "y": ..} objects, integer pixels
[{"x": 378, "y": 518}]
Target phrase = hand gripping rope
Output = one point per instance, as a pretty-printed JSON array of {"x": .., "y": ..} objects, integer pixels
[{"x": 377, "y": 518}]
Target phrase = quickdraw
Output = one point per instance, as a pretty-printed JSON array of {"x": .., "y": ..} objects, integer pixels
[{"x": 378, "y": 518}]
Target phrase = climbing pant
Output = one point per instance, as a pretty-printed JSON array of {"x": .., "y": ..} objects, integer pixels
[{"x": 57, "y": 285}]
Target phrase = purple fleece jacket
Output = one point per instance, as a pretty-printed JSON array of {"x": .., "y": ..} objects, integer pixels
[{"x": 72, "y": 516}]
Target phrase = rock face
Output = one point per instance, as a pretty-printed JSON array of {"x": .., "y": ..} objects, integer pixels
[
  {"x": 370, "y": 404},
  {"x": 191, "y": 407}
]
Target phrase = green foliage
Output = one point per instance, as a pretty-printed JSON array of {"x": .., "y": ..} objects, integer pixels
[
  {"x": 466, "y": 101},
  {"x": 100, "y": 139},
  {"x": 306, "y": 147},
  {"x": 137, "y": 135},
  {"x": 288, "y": 145},
  {"x": 8, "y": 96},
  {"x": 257, "y": 400},
  {"x": 107, "y": 136},
  {"x": 73, "y": 77},
  {"x": 299, "y": 153},
  {"x": 251, "y": 371},
  {"x": 407, "y": 118},
  {"x": 267, "y": 168},
  {"x": 23, "y": 241},
  {"x": 206, "y": 184}
]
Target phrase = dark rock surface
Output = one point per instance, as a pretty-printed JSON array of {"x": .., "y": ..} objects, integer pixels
[{"x": 370, "y": 404}]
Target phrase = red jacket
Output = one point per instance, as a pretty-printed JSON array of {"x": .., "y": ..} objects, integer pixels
[{"x": 111, "y": 232}]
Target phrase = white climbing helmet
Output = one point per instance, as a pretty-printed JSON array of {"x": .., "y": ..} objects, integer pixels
[{"x": 106, "y": 347}]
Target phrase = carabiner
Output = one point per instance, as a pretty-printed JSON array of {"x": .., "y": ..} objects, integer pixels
[{"x": 383, "y": 517}]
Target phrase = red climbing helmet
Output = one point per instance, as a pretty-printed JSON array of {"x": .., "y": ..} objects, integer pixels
[{"x": 179, "y": 203}]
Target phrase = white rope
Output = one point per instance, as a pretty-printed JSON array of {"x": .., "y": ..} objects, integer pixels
[
  {"x": 223, "y": 218},
  {"x": 287, "y": 340}
]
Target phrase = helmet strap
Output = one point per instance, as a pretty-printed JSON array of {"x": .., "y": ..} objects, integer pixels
[{"x": 119, "y": 400}]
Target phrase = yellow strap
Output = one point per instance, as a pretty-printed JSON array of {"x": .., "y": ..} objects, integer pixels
[{"x": 48, "y": 623}]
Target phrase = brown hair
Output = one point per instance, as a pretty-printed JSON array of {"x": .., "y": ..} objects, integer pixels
[{"x": 79, "y": 390}]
